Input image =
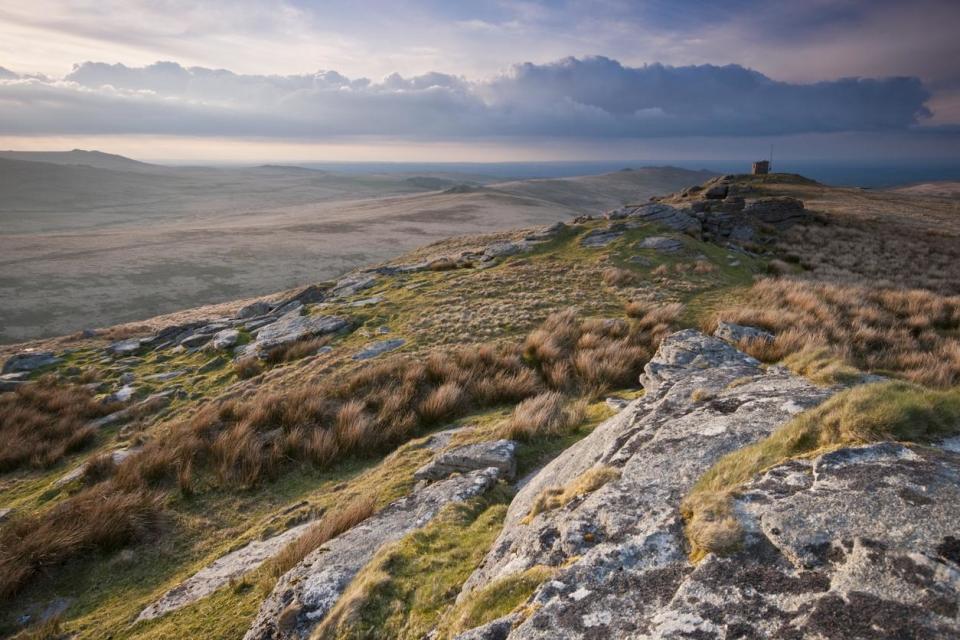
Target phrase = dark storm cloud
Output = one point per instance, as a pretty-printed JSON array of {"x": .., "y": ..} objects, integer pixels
[{"x": 588, "y": 97}]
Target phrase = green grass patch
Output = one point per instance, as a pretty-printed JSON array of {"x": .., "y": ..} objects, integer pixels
[{"x": 869, "y": 413}]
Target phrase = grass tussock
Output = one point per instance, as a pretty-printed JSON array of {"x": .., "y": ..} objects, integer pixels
[
  {"x": 332, "y": 524},
  {"x": 40, "y": 423},
  {"x": 869, "y": 413},
  {"x": 96, "y": 519},
  {"x": 239, "y": 443},
  {"x": 590, "y": 357},
  {"x": 402, "y": 593},
  {"x": 619, "y": 277},
  {"x": 248, "y": 367},
  {"x": 557, "y": 497},
  {"x": 913, "y": 334},
  {"x": 548, "y": 414},
  {"x": 295, "y": 350}
]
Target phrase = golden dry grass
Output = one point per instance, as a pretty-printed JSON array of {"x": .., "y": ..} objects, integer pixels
[
  {"x": 587, "y": 482},
  {"x": 332, "y": 524},
  {"x": 42, "y": 422},
  {"x": 545, "y": 415},
  {"x": 97, "y": 519},
  {"x": 912, "y": 334}
]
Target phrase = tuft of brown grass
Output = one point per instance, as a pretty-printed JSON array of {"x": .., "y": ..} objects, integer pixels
[
  {"x": 618, "y": 277},
  {"x": 97, "y": 519},
  {"x": 42, "y": 422},
  {"x": 546, "y": 415},
  {"x": 332, "y": 524},
  {"x": 248, "y": 367},
  {"x": 295, "y": 350},
  {"x": 557, "y": 497},
  {"x": 913, "y": 334}
]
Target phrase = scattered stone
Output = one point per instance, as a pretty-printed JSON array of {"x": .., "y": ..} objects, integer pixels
[
  {"x": 310, "y": 294},
  {"x": 166, "y": 375},
  {"x": 290, "y": 307},
  {"x": 27, "y": 361},
  {"x": 253, "y": 310},
  {"x": 124, "y": 347},
  {"x": 306, "y": 593},
  {"x": 350, "y": 285},
  {"x": 117, "y": 456},
  {"x": 153, "y": 402},
  {"x": 504, "y": 249},
  {"x": 5, "y": 514},
  {"x": 291, "y": 328},
  {"x": 500, "y": 454},
  {"x": 226, "y": 568},
  {"x": 127, "y": 377},
  {"x": 617, "y": 404},
  {"x": 224, "y": 339},
  {"x": 10, "y": 381},
  {"x": 122, "y": 394},
  {"x": 663, "y": 244},
  {"x": 734, "y": 333},
  {"x": 375, "y": 349},
  {"x": 546, "y": 233},
  {"x": 367, "y": 302},
  {"x": 600, "y": 237}
]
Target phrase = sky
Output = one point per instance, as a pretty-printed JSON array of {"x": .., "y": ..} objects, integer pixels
[{"x": 486, "y": 80}]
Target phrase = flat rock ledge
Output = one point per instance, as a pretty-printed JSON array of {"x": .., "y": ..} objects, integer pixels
[
  {"x": 221, "y": 571},
  {"x": 306, "y": 593},
  {"x": 500, "y": 454},
  {"x": 620, "y": 551}
]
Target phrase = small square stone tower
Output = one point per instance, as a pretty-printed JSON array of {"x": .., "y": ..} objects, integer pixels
[{"x": 760, "y": 168}]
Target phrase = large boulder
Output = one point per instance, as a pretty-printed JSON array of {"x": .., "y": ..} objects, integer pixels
[
  {"x": 619, "y": 551},
  {"x": 658, "y": 213},
  {"x": 305, "y": 594}
]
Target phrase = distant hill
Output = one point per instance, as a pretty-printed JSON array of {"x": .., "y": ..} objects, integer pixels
[
  {"x": 96, "y": 159},
  {"x": 944, "y": 189}
]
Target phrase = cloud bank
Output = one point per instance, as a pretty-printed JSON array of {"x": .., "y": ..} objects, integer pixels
[{"x": 592, "y": 97}]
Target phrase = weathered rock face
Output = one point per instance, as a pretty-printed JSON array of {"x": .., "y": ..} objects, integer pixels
[
  {"x": 734, "y": 333},
  {"x": 374, "y": 349},
  {"x": 500, "y": 454},
  {"x": 221, "y": 571},
  {"x": 659, "y": 213},
  {"x": 292, "y": 327},
  {"x": 29, "y": 361},
  {"x": 863, "y": 542},
  {"x": 622, "y": 548},
  {"x": 305, "y": 594}
]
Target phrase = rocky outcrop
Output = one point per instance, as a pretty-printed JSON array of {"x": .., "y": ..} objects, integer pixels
[
  {"x": 657, "y": 212},
  {"x": 226, "y": 568},
  {"x": 620, "y": 550},
  {"x": 734, "y": 333},
  {"x": 305, "y": 594},
  {"x": 862, "y": 542},
  {"x": 27, "y": 361},
  {"x": 291, "y": 328},
  {"x": 500, "y": 454}
]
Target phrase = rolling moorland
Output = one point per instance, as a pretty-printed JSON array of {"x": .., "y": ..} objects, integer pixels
[
  {"x": 89, "y": 239},
  {"x": 729, "y": 411}
]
